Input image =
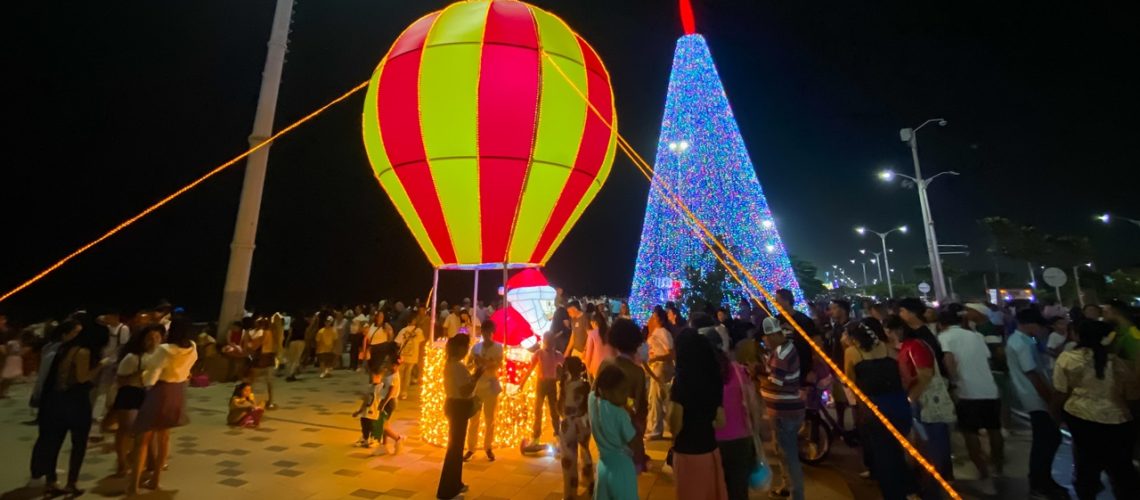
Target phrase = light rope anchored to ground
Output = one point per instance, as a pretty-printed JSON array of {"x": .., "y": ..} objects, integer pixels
[
  {"x": 180, "y": 192},
  {"x": 647, "y": 171}
]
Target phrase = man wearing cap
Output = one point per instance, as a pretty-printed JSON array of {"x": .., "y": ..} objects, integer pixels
[
  {"x": 780, "y": 389},
  {"x": 1033, "y": 394}
]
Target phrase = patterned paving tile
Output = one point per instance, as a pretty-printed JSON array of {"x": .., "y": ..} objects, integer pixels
[
  {"x": 363, "y": 493},
  {"x": 276, "y": 448},
  {"x": 285, "y": 463},
  {"x": 258, "y": 439},
  {"x": 239, "y": 452},
  {"x": 229, "y": 464},
  {"x": 311, "y": 445},
  {"x": 233, "y": 481},
  {"x": 265, "y": 429},
  {"x": 289, "y": 472},
  {"x": 398, "y": 493},
  {"x": 234, "y": 432},
  {"x": 347, "y": 473},
  {"x": 310, "y": 429},
  {"x": 230, "y": 472},
  {"x": 387, "y": 468}
]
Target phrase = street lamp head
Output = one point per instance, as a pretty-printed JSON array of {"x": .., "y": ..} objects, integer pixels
[
  {"x": 887, "y": 175},
  {"x": 942, "y": 123},
  {"x": 861, "y": 230},
  {"x": 852, "y": 261},
  {"x": 863, "y": 251},
  {"x": 1104, "y": 217},
  {"x": 874, "y": 261},
  {"x": 902, "y": 229}
]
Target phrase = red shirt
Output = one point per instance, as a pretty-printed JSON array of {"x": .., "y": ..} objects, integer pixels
[{"x": 913, "y": 354}]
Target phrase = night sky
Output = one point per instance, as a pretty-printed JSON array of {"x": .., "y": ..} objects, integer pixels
[{"x": 115, "y": 104}]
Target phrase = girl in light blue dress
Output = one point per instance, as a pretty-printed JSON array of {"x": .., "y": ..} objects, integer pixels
[{"x": 613, "y": 430}]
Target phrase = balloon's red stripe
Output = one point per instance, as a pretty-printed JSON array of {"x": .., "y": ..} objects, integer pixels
[
  {"x": 398, "y": 109},
  {"x": 508, "y": 107},
  {"x": 591, "y": 151}
]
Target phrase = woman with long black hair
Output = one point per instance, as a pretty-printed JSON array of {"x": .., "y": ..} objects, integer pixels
[
  {"x": 131, "y": 393},
  {"x": 1097, "y": 386},
  {"x": 459, "y": 386},
  {"x": 65, "y": 407},
  {"x": 868, "y": 363},
  {"x": 165, "y": 374},
  {"x": 696, "y": 412}
]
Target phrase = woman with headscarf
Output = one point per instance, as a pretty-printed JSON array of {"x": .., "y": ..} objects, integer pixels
[{"x": 695, "y": 414}]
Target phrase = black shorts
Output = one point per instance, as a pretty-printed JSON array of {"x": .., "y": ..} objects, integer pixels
[{"x": 974, "y": 414}]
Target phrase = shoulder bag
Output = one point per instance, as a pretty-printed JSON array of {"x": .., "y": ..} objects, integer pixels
[{"x": 935, "y": 404}]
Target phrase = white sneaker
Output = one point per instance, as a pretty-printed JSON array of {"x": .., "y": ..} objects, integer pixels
[{"x": 362, "y": 443}]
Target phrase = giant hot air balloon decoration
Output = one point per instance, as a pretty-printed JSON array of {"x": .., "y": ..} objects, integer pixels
[
  {"x": 491, "y": 126},
  {"x": 488, "y": 152}
]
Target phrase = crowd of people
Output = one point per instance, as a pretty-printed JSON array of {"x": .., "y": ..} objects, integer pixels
[{"x": 717, "y": 385}]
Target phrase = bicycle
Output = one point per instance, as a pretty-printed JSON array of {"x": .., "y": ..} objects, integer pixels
[{"x": 820, "y": 427}]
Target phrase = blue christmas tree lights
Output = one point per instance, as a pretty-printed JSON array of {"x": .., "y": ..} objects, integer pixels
[{"x": 702, "y": 159}]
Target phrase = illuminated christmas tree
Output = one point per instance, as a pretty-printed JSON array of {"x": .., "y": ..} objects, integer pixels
[{"x": 701, "y": 157}]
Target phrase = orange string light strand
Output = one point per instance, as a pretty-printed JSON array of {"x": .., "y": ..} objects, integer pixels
[
  {"x": 179, "y": 192},
  {"x": 647, "y": 170}
]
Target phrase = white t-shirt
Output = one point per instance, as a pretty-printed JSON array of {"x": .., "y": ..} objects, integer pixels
[
  {"x": 451, "y": 325},
  {"x": 169, "y": 363},
  {"x": 660, "y": 342},
  {"x": 975, "y": 381},
  {"x": 410, "y": 339}
]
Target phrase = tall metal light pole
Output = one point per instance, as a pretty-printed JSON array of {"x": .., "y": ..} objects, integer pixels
[
  {"x": 886, "y": 261},
  {"x": 249, "y": 208},
  {"x": 910, "y": 136},
  {"x": 876, "y": 262},
  {"x": 864, "y": 266}
]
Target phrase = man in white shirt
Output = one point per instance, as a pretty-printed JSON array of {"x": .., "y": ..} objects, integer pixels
[
  {"x": 118, "y": 335},
  {"x": 660, "y": 373},
  {"x": 451, "y": 322},
  {"x": 1033, "y": 392},
  {"x": 488, "y": 356},
  {"x": 409, "y": 341},
  {"x": 966, "y": 358}
]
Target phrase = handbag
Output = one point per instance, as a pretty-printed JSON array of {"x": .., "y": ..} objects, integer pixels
[
  {"x": 935, "y": 405},
  {"x": 760, "y": 477}
]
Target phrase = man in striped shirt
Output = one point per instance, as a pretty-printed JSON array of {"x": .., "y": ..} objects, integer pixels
[{"x": 780, "y": 389}]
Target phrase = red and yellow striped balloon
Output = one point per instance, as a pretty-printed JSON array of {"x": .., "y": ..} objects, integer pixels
[{"x": 489, "y": 153}]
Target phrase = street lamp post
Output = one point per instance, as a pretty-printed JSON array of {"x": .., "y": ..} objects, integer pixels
[
  {"x": 864, "y": 266},
  {"x": 910, "y": 136},
  {"x": 886, "y": 260}
]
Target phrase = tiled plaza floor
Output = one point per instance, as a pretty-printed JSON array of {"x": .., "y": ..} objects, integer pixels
[{"x": 304, "y": 450}]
